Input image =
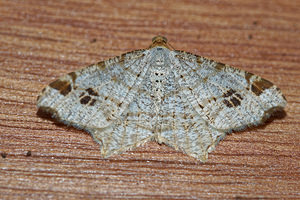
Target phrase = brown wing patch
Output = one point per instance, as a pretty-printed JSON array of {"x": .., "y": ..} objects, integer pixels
[
  {"x": 92, "y": 102},
  {"x": 199, "y": 60},
  {"x": 64, "y": 87},
  {"x": 220, "y": 66},
  {"x": 232, "y": 98},
  {"x": 255, "y": 90},
  {"x": 258, "y": 87},
  {"x": 227, "y": 103},
  {"x": 73, "y": 76},
  {"x": 85, "y": 99},
  {"x": 235, "y": 101},
  {"x": 264, "y": 84},
  {"x": 248, "y": 75},
  {"x": 229, "y": 93},
  {"x": 101, "y": 65},
  {"x": 92, "y": 92}
]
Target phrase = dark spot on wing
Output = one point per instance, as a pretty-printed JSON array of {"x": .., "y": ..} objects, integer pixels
[
  {"x": 220, "y": 66},
  {"x": 73, "y": 76},
  {"x": 229, "y": 93},
  {"x": 200, "y": 106},
  {"x": 248, "y": 76},
  {"x": 64, "y": 87},
  {"x": 58, "y": 84},
  {"x": 235, "y": 101},
  {"x": 92, "y": 102},
  {"x": 92, "y": 92},
  {"x": 255, "y": 90},
  {"x": 81, "y": 94},
  {"x": 264, "y": 84},
  {"x": 239, "y": 96},
  {"x": 258, "y": 87},
  {"x": 227, "y": 103},
  {"x": 85, "y": 99},
  {"x": 101, "y": 65},
  {"x": 66, "y": 90},
  {"x": 235, "y": 98}
]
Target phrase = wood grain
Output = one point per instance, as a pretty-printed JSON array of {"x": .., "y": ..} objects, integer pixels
[{"x": 42, "y": 40}]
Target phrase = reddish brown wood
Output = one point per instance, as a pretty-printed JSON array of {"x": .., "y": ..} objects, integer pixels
[{"x": 42, "y": 40}]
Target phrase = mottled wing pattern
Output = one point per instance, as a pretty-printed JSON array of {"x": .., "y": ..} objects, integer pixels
[
  {"x": 185, "y": 101},
  {"x": 182, "y": 128},
  {"x": 133, "y": 128},
  {"x": 95, "y": 99},
  {"x": 226, "y": 97}
]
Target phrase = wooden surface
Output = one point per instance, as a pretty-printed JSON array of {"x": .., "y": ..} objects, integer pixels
[{"x": 42, "y": 40}]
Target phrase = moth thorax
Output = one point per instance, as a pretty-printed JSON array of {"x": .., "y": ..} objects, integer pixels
[
  {"x": 159, "y": 60},
  {"x": 158, "y": 76}
]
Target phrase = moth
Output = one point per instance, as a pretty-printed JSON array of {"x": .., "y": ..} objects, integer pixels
[{"x": 172, "y": 97}]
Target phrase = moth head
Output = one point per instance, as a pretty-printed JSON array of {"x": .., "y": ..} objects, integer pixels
[{"x": 160, "y": 41}]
